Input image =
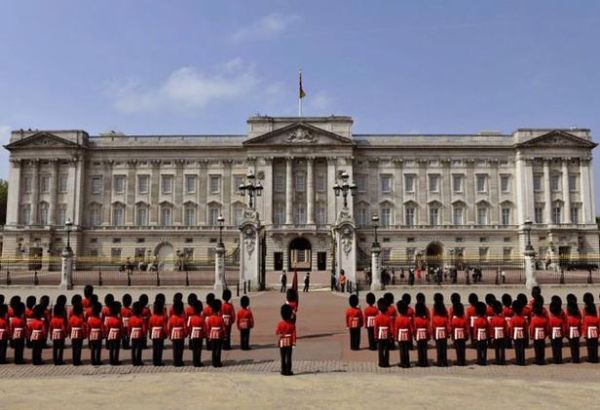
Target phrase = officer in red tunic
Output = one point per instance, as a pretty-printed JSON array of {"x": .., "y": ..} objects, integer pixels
[
  {"x": 37, "y": 335},
  {"x": 499, "y": 333},
  {"x": 404, "y": 330},
  {"x": 197, "y": 331},
  {"x": 245, "y": 322},
  {"x": 177, "y": 332},
  {"x": 557, "y": 326},
  {"x": 58, "y": 333},
  {"x": 137, "y": 333},
  {"x": 228, "y": 314},
  {"x": 573, "y": 329},
  {"x": 589, "y": 327},
  {"x": 4, "y": 331},
  {"x": 369, "y": 315},
  {"x": 481, "y": 331},
  {"x": 286, "y": 334},
  {"x": 422, "y": 334},
  {"x": 17, "y": 330},
  {"x": 517, "y": 327},
  {"x": 76, "y": 331},
  {"x": 95, "y": 329},
  {"x": 206, "y": 313},
  {"x": 157, "y": 325},
  {"x": 459, "y": 328},
  {"x": 440, "y": 328},
  {"x": 216, "y": 328},
  {"x": 384, "y": 329},
  {"x": 538, "y": 330},
  {"x": 354, "y": 322},
  {"x": 114, "y": 328}
]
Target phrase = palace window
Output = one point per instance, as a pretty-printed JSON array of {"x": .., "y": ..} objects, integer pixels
[
  {"x": 119, "y": 184},
  {"x": 166, "y": 184},
  {"x": 434, "y": 183},
  {"x": 361, "y": 216},
  {"x": 537, "y": 182},
  {"x": 458, "y": 215},
  {"x": 434, "y": 216},
  {"x": 142, "y": 215},
  {"x": 43, "y": 213},
  {"x": 386, "y": 216},
  {"x": 213, "y": 215},
  {"x": 483, "y": 255},
  {"x": 190, "y": 215},
  {"x": 26, "y": 214},
  {"x": 573, "y": 183},
  {"x": 62, "y": 215},
  {"x": 574, "y": 214},
  {"x": 481, "y": 183},
  {"x": 237, "y": 181},
  {"x": 118, "y": 215},
  {"x": 506, "y": 216},
  {"x": 555, "y": 182},
  {"x": 279, "y": 215},
  {"x": 539, "y": 214},
  {"x": 300, "y": 182},
  {"x": 143, "y": 182},
  {"x": 62, "y": 183},
  {"x": 556, "y": 214},
  {"x": 457, "y": 183},
  {"x": 361, "y": 182},
  {"x": 386, "y": 183},
  {"x": 166, "y": 215},
  {"x": 96, "y": 185},
  {"x": 190, "y": 184},
  {"x": 409, "y": 183},
  {"x": 238, "y": 211},
  {"x": 300, "y": 215},
  {"x": 215, "y": 184},
  {"x": 279, "y": 183},
  {"x": 482, "y": 215},
  {"x": 45, "y": 184},
  {"x": 320, "y": 217},
  {"x": 409, "y": 216},
  {"x": 95, "y": 215},
  {"x": 320, "y": 183},
  {"x": 505, "y": 183}
]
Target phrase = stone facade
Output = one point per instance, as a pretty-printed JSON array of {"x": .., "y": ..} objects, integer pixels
[{"x": 441, "y": 196}]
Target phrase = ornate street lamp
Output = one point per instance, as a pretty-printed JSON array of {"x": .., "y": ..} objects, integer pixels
[
  {"x": 343, "y": 187},
  {"x": 254, "y": 189},
  {"x": 375, "y": 220},
  {"x": 221, "y": 221},
  {"x": 528, "y": 224},
  {"x": 69, "y": 226}
]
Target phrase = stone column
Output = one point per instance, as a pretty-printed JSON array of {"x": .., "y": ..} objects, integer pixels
[
  {"x": 310, "y": 191},
  {"x": 446, "y": 193},
  {"x": 14, "y": 193},
  {"x": 53, "y": 192},
  {"x": 106, "y": 192},
  {"x": 288, "y": 192},
  {"x": 565, "y": 191},
  {"x": 421, "y": 192},
  {"x": 79, "y": 196},
  {"x": 219, "y": 268},
  {"x": 530, "y": 279},
  {"x": 494, "y": 193},
  {"x": 35, "y": 193},
  {"x": 469, "y": 188},
  {"x": 130, "y": 193},
  {"x": 331, "y": 199},
  {"x": 268, "y": 193},
  {"x": 398, "y": 191},
  {"x": 547, "y": 193},
  {"x": 376, "y": 268},
  {"x": 66, "y": 277},
  {"x": 586, "y": 191},
  {"x": 178, "y": 193},
  {"x": 154, "y": 210},
  {"x": 202, "y": 192}
]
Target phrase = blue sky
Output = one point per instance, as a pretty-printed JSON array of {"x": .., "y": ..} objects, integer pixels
[{"x": 205, "y": 66}]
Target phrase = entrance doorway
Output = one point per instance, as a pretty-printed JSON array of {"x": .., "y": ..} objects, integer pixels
[
  {"x": 278, "y": 260},
  {"x": 322, "y": 260},
  {"x": 300, "y": 254},
  {"x": 35, "y": 258},
  {"x": 564, "y": 255},
  {"x": 434, "y": 254},
  {"x": 164, "y": 252}
]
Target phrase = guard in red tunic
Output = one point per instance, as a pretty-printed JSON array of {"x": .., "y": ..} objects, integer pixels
[
  {"x": 440, "y": 329},
  {"x": 87, "y": 302},
  {"x": 369, "y": 315},
  {"x": 114, "y": 328},
  {"x": 216, "y": 327},
  {"x": 499, "y": 333},
  {"x": 126, "y": 313},
  {"x": 538, "y": 330},
  {"x": 4, "y": 332},
  {"x": 228, "y": 314},
  {"x": 30, "y": 303},
  {"x": 245, "y": 322},
  {"x": 422, "y": 334},
  {"x": 17, "y": 330},
  {"x": 404, "y": 330},
  {"x": 459, "y": 330},
  {"x": 37, "y": 335},
  {"x": 481, "y": 332},
  {"x": 573, "y": 330},
  {"x": 557, "y": 325},
  {"x": 137, "y": 333},
  {"x": 472, "y": 315},
  {"x": 177, "y": 333},
  {"x": 286, "y": 334},
  {"x": 95, "y": 329},
  {"x": 206, "y": 313},
  {"x": 157, "y": 325},
  {"x": 354, "y": 322},
  {"x": 517, "y": 326},
  {"x": 76, "y": 331},
  {"x": 384, "y": 330},
  {"x": 589, "y": 327},
  {"x": 197, "y": 331},
  {"x": 58, "y": 333}
]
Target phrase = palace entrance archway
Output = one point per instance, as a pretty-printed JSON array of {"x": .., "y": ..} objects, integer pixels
[
  {"x": 300, "y": 254},
  {"x": 434, "y": 254}
]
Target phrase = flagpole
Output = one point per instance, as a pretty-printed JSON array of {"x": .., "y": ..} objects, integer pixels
[{"x": 299, "y": 93}]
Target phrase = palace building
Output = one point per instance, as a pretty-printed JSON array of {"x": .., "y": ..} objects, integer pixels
[{"x": 441, "y": 197}]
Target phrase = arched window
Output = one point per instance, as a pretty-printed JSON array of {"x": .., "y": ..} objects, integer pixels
[
  {"x": 189, "y": 214},
  {"x": 214, "y": 210},
  {"x": 458, "y": 213},
  {"x": 386, "y": 214},
  {"x": 141, "y": 214},
  {"x": 482, "y": 213},
  {"x": 435, "y": 213},
  {"x": 95, "y": 215},
  {"x": 410, "y": 213},
  {"x": 166, "y": 214},
  {"x": 43, "y": 213},
  {"x": 118, "y": 214}
]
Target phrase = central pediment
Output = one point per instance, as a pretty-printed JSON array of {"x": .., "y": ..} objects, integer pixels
[
  {"x": 41, "y": 140},
  {"x": 301, "y": 134},
  {"x": 557, "y": 138}
]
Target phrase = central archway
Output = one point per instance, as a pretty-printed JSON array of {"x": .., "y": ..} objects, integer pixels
[
  {"x": 300, "y": 254},
  {"x": 164, "y": 252},
  {"x": 434, "y": 254}
]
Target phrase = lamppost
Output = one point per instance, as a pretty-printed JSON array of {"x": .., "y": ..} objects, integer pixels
[
  {"x": 375, "y": 220},
  {"x": 67, "y": 260},
  {"x": 530, "y": 280},
  {"x": 221, "y": 221},
  {"x": 528, "y": 224},
  {"x": 377, "y": 282},
  {"x": 69, "y": 226},
  {"x": 220, "y": 282},
  {"x": 343, "y": 187},
  {"x": 254, "y": 189}
]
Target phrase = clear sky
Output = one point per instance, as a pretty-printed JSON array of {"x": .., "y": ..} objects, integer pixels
[{"x": 204, "y": 66}]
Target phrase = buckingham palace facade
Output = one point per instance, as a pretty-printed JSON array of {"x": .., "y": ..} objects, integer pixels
[{"x": 437, "y": 196}]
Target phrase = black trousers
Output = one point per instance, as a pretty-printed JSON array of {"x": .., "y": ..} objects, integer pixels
[
  {"x": 245, "y": 339},
  {"x": 3, "y": 347},
  {"x": 96, "y": 352},
  {"x": 158, "y": 345},
  {"x": 422, "y": 360},
  {"x": 125, "y": 342},
  {"x": 592, "y": 350},
  {"x": 208, "y": 344},
  {"x": 36, "y": 351},
  {"x": 539, "y": 347},
  {"x": 178, "y": 346},
  {"x": 137, "y": 346},
  {"x": 574, "y": 347},
  {"x": 441, "y": 346},
  {"x": 196, "y": 352},
  {"x": 460, "y": 348},
  {"x": 383, "y": 347},
  {"x": 58, "y": 348},
  {"x": 371, "y": 336},
  {"x": 404, "y": 348},
  {"x": 227, "y": 339},
  {"x": 500, "y": 351},
  {"x": 519, "y": 345},
  {"x": 216, "y": 352},
  {"x": 481, "y": 346},
  {"x": 114, "y": 348},
  {"x": 306, "y": 286},
  {"x": 18, "y": 346},
  {"x": 557, "y": 346},
  {"x": 283, "y": 287},
  {"x": 355, "y": 338},
  {"x": 286, "y": 360},
  {"x": 76, "y": 345}
]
